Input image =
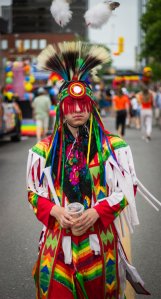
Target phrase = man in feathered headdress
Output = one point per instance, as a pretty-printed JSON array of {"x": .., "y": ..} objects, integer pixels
[{"x": 81, "y": 163}]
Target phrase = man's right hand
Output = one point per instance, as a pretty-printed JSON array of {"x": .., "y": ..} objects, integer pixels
[{"x": 62, "y": 216}]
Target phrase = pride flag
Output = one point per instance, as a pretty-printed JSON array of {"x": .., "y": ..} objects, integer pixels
[{"x": 28, "y": 127}]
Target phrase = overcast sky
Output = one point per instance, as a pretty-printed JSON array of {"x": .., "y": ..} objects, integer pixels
[
  {"x": 5, "y": 2},
  {"x": 124, "y": 22}
]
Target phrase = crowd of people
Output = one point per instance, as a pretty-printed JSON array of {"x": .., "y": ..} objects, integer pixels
[{"x": 139, "y": 109}]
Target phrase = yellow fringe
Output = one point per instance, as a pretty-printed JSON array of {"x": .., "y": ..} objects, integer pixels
[{"x": 90, "y": 137}]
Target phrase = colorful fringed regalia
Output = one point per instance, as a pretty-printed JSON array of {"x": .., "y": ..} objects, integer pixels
[{"x": 95, "y": 169}]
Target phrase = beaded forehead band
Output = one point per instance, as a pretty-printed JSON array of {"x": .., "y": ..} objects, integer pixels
[{"x": 76, "y": 90}]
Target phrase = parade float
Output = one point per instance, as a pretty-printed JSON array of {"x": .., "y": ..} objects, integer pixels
[
  {"x": 22, "y": 80},
  {"x": 132, "y": 80}
]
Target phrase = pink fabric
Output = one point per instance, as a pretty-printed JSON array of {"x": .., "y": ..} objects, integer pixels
[{"x": 18, "y": 80}]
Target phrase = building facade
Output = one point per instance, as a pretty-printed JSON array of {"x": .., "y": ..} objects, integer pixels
[
  {"x": 30, "y": 27},
  {"x": 29, "y": 45},
  {"x": 34, "y": 16}
]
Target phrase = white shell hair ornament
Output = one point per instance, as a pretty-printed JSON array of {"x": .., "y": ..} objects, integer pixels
[
  {"x": 61, "y": 12},
  {"x": 98, "y": 15}
]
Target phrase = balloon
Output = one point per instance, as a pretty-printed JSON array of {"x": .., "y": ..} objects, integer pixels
[
  {"x": 28, "y": 86},
  {"x": 9, "y": 87},
  {"x": 27, "y": 78},
  {"x": 8, "y": 68},
  {"x": 32, "y": 79},
  {"x": 52, "y": 92},
  {"x": 9, "y": 95},
  {"x": 9, "y": 74},
  {"x": 9, "y": 63},
  {"x": 27, "y": 69},
  {"x": 9, "y": 80},
  {"x": 15, "y": 64},
  {"x": 147, "y": 71},
  {"x": 20, "y": 64}
]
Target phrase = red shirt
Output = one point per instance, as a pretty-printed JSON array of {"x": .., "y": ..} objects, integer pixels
[
  {"x": 121, "y": 102},
  {"x": 146, "y": 104}
]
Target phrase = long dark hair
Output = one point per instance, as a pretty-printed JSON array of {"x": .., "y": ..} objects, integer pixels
[{"x": 146, "y": 95}]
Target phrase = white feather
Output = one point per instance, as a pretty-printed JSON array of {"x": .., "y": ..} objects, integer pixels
[
  {"x": 101, "y": 53},
  {"x": 61, "y": 12},
  {"x": 98, "y": 15}
]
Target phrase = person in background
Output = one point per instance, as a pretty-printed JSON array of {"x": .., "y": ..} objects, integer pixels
[
  {"x": 108, "y": 101},
  {"x": 145, "y": 98},
  {"x": 121, "y": 106},
  {"x": 41, "y": 107},
  {"x": 103, "y": 104},
  {"x": 96, "y": 92},
  {"x": 157, "y": 105},
  {"x": 134, "y": 111},
  {"x": 16, "y": 105}
]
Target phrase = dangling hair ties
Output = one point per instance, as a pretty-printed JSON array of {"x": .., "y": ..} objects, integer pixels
[{"x": 90, "y": 137}]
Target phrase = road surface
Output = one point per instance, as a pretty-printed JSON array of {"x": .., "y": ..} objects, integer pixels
[{"x": 19, "y": 229}]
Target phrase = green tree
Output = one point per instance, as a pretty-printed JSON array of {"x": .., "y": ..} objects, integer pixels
[{"x": 151, "y": 25}]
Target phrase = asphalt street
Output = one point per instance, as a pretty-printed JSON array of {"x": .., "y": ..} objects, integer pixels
[{"x": 19, "y": 229}]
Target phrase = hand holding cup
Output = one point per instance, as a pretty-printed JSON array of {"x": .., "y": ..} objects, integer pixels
[{"x": 75, "y": 210}]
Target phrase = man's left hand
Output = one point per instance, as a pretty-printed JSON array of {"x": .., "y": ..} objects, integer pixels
[{"x": 85, "y": 221}]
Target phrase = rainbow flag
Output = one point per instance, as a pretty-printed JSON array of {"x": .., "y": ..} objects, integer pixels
[{"x": 28, "y": 127}]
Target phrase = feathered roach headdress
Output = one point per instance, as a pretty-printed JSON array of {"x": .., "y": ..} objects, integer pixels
[{"x": 73, "y": 61}]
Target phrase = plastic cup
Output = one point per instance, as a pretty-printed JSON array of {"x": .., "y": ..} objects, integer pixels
[{"x": 75, "y": 209}]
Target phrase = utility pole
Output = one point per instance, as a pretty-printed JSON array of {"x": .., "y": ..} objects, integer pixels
[{"x": 141, "y": 10}]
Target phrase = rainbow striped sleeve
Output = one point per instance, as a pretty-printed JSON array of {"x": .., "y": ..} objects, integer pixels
[
  {"x": 115, "y": 142},
  {"x": 33, "y": 200},
  {"x": 41, "y": 148},
  {"x": 120, "y": 206}
]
